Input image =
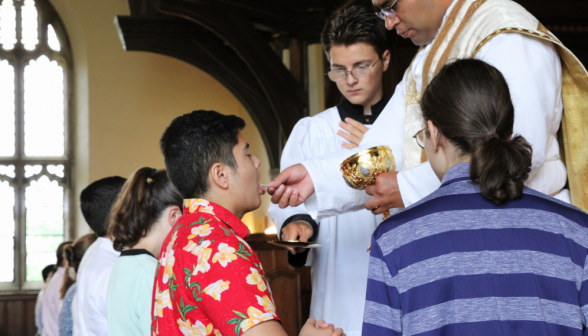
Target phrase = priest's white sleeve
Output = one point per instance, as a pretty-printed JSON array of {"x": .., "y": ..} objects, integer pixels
[
  {"x": 533, "y": 72},
  {"x": 296, "y": 151},
  {"x": 332, "y": 195}
]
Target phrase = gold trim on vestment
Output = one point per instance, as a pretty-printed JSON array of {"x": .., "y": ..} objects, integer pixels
[
  {"x": 575, "y": 117},
  {"x": 514, "y": 30},
  {"x": 413, "y": 98},
  {"x": 445, "y": 56},
  {"x": 439, "y": 40}
]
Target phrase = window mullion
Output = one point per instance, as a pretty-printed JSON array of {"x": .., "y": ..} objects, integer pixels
[{"x": 20, "y": 221}]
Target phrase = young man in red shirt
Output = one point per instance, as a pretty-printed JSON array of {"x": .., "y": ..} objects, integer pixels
[{"x": 209, "y": 281}]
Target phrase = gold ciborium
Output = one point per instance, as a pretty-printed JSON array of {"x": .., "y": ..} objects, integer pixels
[{"x": 361, "y": 170}]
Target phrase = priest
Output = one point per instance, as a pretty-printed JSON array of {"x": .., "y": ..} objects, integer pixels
[{"x": 544, "y": 78}]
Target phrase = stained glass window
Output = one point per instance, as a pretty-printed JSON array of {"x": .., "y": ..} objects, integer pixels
[{"x": 34, "y": 162}]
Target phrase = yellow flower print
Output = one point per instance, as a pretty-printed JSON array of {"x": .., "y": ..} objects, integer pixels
[
  {"x": 162, "y": 301},
  {"x": 267, "y": 303},
  {"x": 255, "y": 279},
  {"x": 206, "y": 209},
  {"x": 215, "y": 289},
  {"x": 202, "y": 265},
  {"x": 203, "y": 253},
  {"x": 217, "y": 333},
  {"x": 167, "y": 261},
  {"x": 202, "y": 231},
  {"x": 197, "y": 329},
  {"x": 193, "y": 204},
  {"x": 225, "y": 254},
  {"x": 255, "y": 317}
]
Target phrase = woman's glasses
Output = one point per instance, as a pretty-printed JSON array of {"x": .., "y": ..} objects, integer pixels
[{"x": 420, "y": 138}]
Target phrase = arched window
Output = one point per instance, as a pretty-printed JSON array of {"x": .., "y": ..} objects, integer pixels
[{"x": 35, "y": 160}]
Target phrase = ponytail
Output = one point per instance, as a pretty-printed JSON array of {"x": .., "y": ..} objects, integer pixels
[
  {"x": 139, "y": 205},
  {"x": 469, "y": 102},
  {"x": 501, "y": 167}
]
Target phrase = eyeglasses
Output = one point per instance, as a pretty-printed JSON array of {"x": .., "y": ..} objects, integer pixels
[
  {"x": 387, "y": 11},
  {"x": 420, "y": 138},
  {"x": 358, "y": 72}
]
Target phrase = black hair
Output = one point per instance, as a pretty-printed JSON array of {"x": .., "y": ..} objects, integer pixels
[
  {"x": 96, "y": 201},
  {"x": 193, "y": 143},
  {"x": 140, "y": 204},
  {"x": 469, "y": 102},
  {"x": 353, "y": 25},
  {"x": 47, "y": 271}
]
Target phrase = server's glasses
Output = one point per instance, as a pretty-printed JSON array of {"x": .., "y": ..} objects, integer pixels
[
  {"x": 387, "y": 11},
  {"x": 358, "y": 72}
]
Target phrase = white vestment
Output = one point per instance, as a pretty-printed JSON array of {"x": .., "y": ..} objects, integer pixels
[
  {"x": 532, "y": 69},
  {"x": 340, "y": 265},
  {"x": 92, "y": 279}
]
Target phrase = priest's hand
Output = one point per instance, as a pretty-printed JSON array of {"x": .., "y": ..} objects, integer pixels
[
  {"x": 291, "y": 187},
  {"x": 355, "y": 131},
  {"x": 298, "y": 230},
  {"x": 386, "y": 194}
]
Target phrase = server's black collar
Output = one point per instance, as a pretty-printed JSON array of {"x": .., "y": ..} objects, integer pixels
[{"x": 355, "y": 112}]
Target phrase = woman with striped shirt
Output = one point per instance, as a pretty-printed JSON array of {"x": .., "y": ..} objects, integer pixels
[{"x": 483, "y": 254}]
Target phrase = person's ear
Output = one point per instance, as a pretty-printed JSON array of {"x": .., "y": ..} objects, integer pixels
[
  {"x": 434, "y": 134},
  {"x": 219, "y": 175},
  {"x": 385, "y": 60},
  {"x": 173, "y": 214}
]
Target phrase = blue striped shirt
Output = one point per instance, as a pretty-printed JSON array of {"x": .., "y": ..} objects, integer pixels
[{"x": 457, "y": 264}]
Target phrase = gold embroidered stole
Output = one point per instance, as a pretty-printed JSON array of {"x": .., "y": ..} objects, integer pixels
[{"x": 468, "y": 27}]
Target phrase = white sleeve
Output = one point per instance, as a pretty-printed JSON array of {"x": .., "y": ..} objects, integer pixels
[
  {"x": 532, "y": 70},
  {"x": 416, "y": 183},
  {"x": 332, "y": 195},
  {"x": 296, "y": 151}
]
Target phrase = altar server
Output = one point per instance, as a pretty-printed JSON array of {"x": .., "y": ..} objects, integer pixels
[
  {"x": 482, "y": 255},
  {"x": 355, "y": 43},
  {"x": 503, "y": 34}
]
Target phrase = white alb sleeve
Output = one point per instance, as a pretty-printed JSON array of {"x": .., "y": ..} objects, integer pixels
[{"x": 332, "y": 195}]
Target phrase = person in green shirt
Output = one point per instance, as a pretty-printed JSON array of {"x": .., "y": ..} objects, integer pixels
[{"x": 142, "y": 216}]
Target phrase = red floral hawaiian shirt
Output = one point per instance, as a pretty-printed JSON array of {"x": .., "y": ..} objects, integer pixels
[{"x": 209, "y": 281}]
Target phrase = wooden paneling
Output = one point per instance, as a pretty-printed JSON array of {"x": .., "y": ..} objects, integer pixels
[
  {"x": 291, "y": 287},
  {"x": 17, "y": 314}
]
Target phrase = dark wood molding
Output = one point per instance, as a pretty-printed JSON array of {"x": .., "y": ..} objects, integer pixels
[{"x": 195, "y": 45}]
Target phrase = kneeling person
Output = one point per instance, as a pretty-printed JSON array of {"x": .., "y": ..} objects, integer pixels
[{"x": 209, "y": 281}]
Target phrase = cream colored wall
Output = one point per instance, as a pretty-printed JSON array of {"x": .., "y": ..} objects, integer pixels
[{"x": 123, "y": 101}]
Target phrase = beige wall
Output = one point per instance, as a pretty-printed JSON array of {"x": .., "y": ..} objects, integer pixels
[{"x": 123, "y": 101}]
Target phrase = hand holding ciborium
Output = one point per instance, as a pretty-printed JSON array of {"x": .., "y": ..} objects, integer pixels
[{"x": 361, "y": 170}]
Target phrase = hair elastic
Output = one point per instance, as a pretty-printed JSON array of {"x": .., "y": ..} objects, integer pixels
[
  {"x": 153, "y": 172},
  {"x": 493, "y": 135}
]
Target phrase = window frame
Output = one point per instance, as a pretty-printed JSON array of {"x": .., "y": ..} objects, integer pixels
[{"x": 19, "y": 58}]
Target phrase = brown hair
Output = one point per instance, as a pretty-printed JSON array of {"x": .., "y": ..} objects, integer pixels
[
  {"x": 74, "y": 253},
  {"x": 469, "y": 102},
  {"x": 353, "y": 25},
  {"x": 140, "y": 203}
]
